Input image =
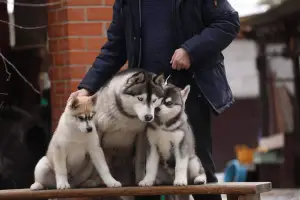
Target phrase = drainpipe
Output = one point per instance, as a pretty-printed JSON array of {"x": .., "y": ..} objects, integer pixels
[{"x": 11, "y": 19}]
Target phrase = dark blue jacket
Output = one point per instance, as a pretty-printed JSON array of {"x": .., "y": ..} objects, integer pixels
[{"x": 202, "y": 27}]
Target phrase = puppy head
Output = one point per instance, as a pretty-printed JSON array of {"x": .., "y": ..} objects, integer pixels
[
  {"x": 141, "y": 95},
  {"x": 81, "y": 110},
  {"x": 173, "y": 103}
]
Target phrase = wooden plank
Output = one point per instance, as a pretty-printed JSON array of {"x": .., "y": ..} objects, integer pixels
[
  {"x": 272, "y": 142},
  {"x": 270, "y": 157},
  {"x": 220, "y": 188}
]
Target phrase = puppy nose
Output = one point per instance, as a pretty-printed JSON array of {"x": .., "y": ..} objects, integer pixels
[
  {"x": 148, "y": 118},
  {"x": 89, "y": 129}
]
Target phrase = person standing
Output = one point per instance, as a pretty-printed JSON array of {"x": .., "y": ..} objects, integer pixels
[{"x": 181, "y": 38}]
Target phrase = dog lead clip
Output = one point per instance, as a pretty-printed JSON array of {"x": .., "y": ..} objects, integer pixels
[{"x": 166, "y": 82}]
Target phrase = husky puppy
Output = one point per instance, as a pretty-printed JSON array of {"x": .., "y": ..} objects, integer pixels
[
  {"x": 172, "y": 141},
  {"x": 75, "y": 138},
  {"x": 125, "y": 105}
]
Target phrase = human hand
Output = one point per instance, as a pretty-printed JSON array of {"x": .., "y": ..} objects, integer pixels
[
  {"x": 81, "y": 92},
  {"x": 180, "y": 59}
]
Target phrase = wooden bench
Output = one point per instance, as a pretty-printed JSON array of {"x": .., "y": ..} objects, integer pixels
[{"x": 234, "y": 191}]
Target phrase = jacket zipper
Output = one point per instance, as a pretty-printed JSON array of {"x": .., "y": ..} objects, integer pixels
[
  {"x": 174, "y": 24},
  {"x": 140, "y": 26},
  {"x": 122, "y": 5},
  {"x": 176, "y": 21},
  {"x": 140, "y": 38}
]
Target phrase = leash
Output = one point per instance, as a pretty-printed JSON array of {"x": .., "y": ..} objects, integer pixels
[{"x": 166, "y": 81}]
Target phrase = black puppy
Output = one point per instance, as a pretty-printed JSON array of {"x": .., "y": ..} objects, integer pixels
[{"x": 23, "y": 141}]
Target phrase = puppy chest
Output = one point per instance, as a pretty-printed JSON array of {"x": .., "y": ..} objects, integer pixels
[
  {"x": 121, "y": 135},
  {"x": 118, "y": 139},
  {"x": 76, "y": 155},
  {"x": 165, "y": 148},
  {"x": 166, "y": 142}
]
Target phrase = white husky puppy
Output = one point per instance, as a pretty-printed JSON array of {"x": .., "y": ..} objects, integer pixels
[
  {"x": 75, "y": 141},
  {"x": 172, "y": 141}
]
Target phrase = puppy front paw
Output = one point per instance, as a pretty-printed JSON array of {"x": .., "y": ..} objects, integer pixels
[
  {"x": 62, "y": 185},
  {"x": 36, "y": 186},
  {"x": 201, "y": 179},
  {"x": 146, "y": 182},
  {"x": 180, "y": 181},
  {"x": 113, "y": 183}
]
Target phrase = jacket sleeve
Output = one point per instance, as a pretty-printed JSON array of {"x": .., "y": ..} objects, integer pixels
[
  {"x": 222, "y": 26},
  {"x": 112, "y": 56}
]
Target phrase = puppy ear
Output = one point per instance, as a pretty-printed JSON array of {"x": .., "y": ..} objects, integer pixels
[
  {"x": 159, "y": 79},
  {"x": 137, "y": 78},
  {"x": 185, "y": 93},
  {"x": 94, "y": 99},
  {"x": 74, "y": 103}
]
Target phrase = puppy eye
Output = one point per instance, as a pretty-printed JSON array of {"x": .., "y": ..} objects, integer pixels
[
  {"x": 140, "y": 98},
  {"x": 80, "y": 118},
  {"x": 168, "y": 103},
  {"x": 91, "y": 117},
  {"x": 154, "y": 100}
]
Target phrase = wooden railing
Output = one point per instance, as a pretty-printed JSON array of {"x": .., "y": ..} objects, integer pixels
[{"x": 234, "y": 191}]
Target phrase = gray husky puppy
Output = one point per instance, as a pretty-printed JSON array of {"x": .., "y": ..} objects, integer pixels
[
  {"x": 124, "y": 107},
  {"x": 171, "y": 141}
]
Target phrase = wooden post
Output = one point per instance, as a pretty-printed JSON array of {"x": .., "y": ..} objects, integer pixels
[
  {"x": 261, "y": 64},
  {"x": 289, "y": 173},
  {"x": 296, "y": 72},
  {"x": 294, "y": 53},
  {"x": 291, "y": 35}
]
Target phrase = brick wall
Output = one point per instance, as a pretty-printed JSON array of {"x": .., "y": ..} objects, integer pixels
[{"x": 77, "y": 30}]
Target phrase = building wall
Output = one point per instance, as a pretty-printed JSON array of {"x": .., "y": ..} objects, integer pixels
[
  {"x": 77, "y": 30},
  {"x": 241, "y": 69},
  {"x": 239, "y": 124}
]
